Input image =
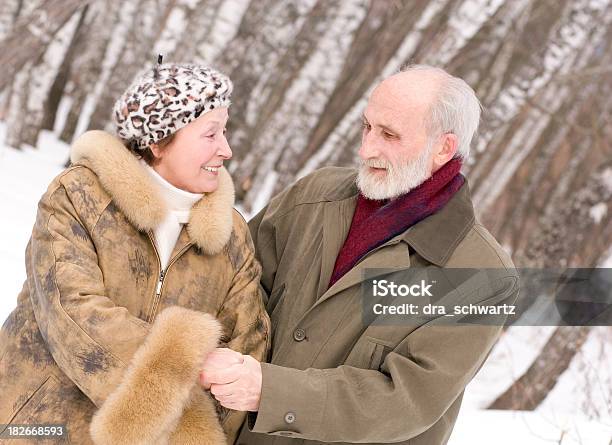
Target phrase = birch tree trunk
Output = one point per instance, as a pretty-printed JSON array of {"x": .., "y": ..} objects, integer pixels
[
  {"x": 149, "y": 20},
  {"x": 39, "y": 79},
  {"x": 58, "y": 86},
  {"x": 29, "y": 38},
  {"x": 560, "y": 240},
  {"x": 87, "y": 64}
]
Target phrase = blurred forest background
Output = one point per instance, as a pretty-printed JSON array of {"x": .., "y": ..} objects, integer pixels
[{"x": 541, "y": 166}]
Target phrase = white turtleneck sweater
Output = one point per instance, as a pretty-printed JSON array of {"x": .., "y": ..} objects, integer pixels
[{"x": 178, "y": 207}]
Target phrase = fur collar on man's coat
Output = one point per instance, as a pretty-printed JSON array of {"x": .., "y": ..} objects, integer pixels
[{"x": 138, "y": 197}]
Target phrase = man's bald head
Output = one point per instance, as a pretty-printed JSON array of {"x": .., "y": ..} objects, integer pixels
[
  {"x": 414, "y": 123},
  {"x": 451, "y": 104},
  {"x": 412, "y": 87}
]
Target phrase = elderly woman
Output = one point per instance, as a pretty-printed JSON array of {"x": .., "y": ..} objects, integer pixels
[{"x": 137, "y": 267}]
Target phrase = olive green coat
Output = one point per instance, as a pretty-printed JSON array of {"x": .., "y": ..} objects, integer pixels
[
  {"x": 87, "y": 325},
  {"x": 333, "y": 379}
]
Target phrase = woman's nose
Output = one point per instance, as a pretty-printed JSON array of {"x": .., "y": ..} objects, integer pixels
[{"x": 224, "y": 149}]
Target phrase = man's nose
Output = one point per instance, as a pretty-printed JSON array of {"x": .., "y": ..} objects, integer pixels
[{"x": 368, "y": 148}]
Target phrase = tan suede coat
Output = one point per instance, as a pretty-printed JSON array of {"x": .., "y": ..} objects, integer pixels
[
  {"x": 334, "y": 378},
  {"x": 89, "y": 333}
]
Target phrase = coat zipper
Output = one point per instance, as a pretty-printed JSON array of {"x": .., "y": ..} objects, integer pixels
[
  {"x": 160, "y": 279},
  {"x": 162, "y": 275},
  {"x": 160, "y": 283}
]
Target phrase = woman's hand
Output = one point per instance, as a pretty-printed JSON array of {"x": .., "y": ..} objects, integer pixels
[{"x": 233, "y": 378}]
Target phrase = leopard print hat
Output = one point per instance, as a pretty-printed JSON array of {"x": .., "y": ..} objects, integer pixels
[{"x": 164, "y": 99}]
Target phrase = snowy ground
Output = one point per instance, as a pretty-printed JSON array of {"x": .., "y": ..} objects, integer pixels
[{"x": 577, "y": 412}]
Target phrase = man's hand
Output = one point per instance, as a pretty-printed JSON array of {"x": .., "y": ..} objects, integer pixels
[{"x": 234, "y": 379}]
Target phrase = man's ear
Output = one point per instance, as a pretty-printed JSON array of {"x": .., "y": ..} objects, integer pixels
[{"x": 448, "y": 149}]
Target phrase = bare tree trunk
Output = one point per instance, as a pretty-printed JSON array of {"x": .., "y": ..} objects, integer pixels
[
  {"x": 571, "y": 140},
  {"x": 10, "y": 10},
  {"x": 484, "y": 61},
  {"x": 197, "y": 29},
  {"x": 30, "y": 37},
  {"x": 557, "y": 204},
  {"x": 569, "y": 30},
  {"x": 88, "y": 57},
  {"x": 16, "y": 105},
  {"x": 561, "y": 242},
  {"x": 59, "y": 84},
  {"x": 41, "y": 77},
  {"x": 273, "y": 90},
  {"x": 270, "y": 92},
  {"x": 533, "y": 386},
  {"x": 149, "y": 21},
  {"x": 255, "y": 47}
]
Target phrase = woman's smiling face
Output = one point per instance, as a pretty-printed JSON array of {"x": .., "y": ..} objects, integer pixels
[{"x": 192, "y": 159}]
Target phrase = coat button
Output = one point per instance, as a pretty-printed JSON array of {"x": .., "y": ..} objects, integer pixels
[
  {"x": 299, "y": 334},
  {"x": 290, "y": 417}
]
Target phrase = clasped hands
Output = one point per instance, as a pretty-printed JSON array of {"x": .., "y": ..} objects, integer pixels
[{"x": 234, "y": 379}]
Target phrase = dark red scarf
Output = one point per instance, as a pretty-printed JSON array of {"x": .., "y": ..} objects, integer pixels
[{"x": 376, "y": 221}]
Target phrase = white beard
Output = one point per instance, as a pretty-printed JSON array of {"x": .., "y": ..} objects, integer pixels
[{"x": 398, "y": 180}]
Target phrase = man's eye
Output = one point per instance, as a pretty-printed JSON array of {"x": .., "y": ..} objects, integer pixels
[
  {"x": 365, "y": 125},
  {"x": 388, "y": 135}
]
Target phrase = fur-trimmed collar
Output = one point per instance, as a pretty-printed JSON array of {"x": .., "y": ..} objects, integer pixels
[{"x": 138, "y": 197}]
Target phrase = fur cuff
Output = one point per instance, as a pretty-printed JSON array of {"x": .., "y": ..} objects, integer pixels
[
  {"x": 148, "y": 406},
  {"x": 196, "y": 426}
]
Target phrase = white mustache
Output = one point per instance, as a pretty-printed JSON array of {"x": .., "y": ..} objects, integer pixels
[{"x": 375, "y": 163}]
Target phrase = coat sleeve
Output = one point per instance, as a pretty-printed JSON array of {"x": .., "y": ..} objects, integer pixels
[
  {"x": 244, "y": 309},
  {"x": 412, "y": 389},
  {"x": 244, "y": 305},
  {"x": 263, "y": 232},
  {"x": 91, "y": 339}
]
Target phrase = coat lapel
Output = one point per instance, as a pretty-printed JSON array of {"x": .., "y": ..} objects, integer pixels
[
  {"x": 392, "y": 255},
  {"x": 433, "y": 238},
  {"x": 337, "y": 216},
  {"x": 436, "y": 237}
]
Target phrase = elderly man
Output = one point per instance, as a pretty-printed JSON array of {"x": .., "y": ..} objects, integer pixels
[{"x": 332, "y": 377}]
